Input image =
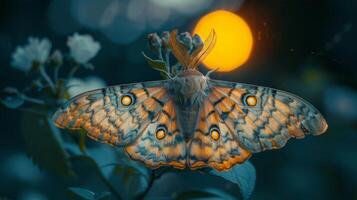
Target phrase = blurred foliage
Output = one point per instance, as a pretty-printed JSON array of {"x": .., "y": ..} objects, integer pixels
[
  {"x": 44, "y": 144},
  {"x": 243, "y": 175},
  {"x": 83, "y": 194}
]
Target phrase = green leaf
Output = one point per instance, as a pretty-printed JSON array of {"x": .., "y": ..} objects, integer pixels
[
  {"x": 208, "y": 193},
  {"x": 243, "y": 175},
  {"x": 176, "y": 69},
  {"x": 81, "y": 194},
  {"x": 194, "y": 194},
  {"x": 13, "y": 99},
  {"x": 82, "y": 140},
  {"x": 91, "y": 164},
  {"x": 222, "y": 194},
  {"x": 103, "y": 196},
  {"x": 89, "y": 66},
  {"x": 77, "y": 193},
  {"x": 155, "y": 64},
  {"x": 132, "y": 178},
  {"x": 127, "y": 171},
  {"x": 43, "y": 144},
  {"x": 12, "y": 102}
]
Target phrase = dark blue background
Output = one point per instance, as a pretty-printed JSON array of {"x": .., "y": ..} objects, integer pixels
[{"x": 302, "y": 46}]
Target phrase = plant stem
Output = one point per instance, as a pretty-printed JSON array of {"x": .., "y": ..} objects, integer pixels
[
  {"x": 32, "y": 100},
  {"x": 73, "y": 71},
  {"x": 47, "y": 78},
  {"x": 33, "y": 111},
  {"x": 167, "y": 59},
  {"x": 160, "y": 54},
  {"x": 147, "y": 189},
  {"x": 56, "y": 74},
  {"x": 155, "y": 175},
  {"x": 110, "y": 187}
]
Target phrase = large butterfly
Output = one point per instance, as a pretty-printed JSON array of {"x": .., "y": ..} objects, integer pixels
[{"x": 191, "y": 120}]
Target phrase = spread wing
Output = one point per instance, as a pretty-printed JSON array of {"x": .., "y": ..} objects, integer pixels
[
  {"x": 140, "y": 117},
  {"x": 249, "y": 119},
  {"x": 206, "y": 148}
]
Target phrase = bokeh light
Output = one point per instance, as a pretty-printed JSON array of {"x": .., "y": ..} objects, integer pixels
[
  {"x": 124, "y": 21},
  {"x": 234, "y": 40}
]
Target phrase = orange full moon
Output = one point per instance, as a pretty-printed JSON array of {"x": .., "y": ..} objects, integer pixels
[{"x": 234, "y": 40}]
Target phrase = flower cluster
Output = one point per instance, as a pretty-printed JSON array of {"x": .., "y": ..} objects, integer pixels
[
  {"x": 77, "y": 86},
  {"x": 35, "y": 52},
  {"x": 82, "y": 48},
  {"x": 37, "y": 57}
]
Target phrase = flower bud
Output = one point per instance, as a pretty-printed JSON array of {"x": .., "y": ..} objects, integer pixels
[
  {"x": 56, "y": 59},
  {"x": 37, "y": 84},
  {"x": 165, "y": 40},
  {"x": 82, "y": 48},
  {"x": 186, "y": 39},
  {"x": 29, "y": 56},
  {"x": 154, "y": 41},
  {"x": 197, "y": 42}
]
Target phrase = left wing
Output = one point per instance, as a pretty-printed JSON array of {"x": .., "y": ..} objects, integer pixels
[{"x": 140, "y": 117}]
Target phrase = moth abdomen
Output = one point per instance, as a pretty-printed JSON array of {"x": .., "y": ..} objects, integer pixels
[{"x": 188, "y": 119}]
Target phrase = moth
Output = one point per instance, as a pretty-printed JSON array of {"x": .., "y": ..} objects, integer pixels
[{"x": 191, "y": 120}]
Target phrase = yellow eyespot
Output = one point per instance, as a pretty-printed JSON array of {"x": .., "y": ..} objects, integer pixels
[
  {"x": 126, "y": 100},
  {"x": 160, "y": 134},
  {"x": 251, "y": 101},
  {"x": 215, "y": 135}
]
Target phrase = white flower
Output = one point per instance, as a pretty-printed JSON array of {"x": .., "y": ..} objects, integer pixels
[
  {"x": 82, "y": 47},
  {"x": 78, "y": 86},
  {"x": 37, "y": 50}
]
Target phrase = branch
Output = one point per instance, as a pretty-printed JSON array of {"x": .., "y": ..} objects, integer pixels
[
  {"x": 47, "y": 79},
  {"x": 155, "y": 175},
  {"x": 32, "y": 100},
  {"x": 110, "y": 187},
  {"x": 167, "y": 59},
  {"x": 73, "y": 71}
]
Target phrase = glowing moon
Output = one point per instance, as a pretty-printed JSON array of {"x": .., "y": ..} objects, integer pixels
[{"x": 234, "y": 40}]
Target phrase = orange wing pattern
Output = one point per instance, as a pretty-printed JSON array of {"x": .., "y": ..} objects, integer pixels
[
  {"x": 266, "y": 121},
  {"x": 169, "y": 150},
  {"x": 234, "y": 121},
  {"x": 275, "y": 118},
  {"x": 206, "y": 150},
  {"x": 129, "y": 116}
]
